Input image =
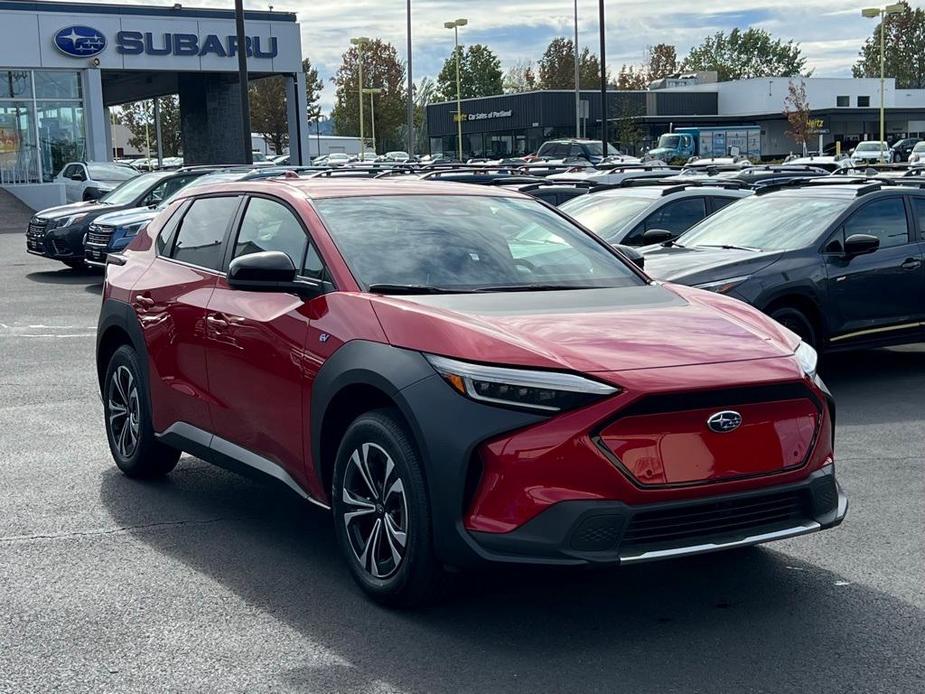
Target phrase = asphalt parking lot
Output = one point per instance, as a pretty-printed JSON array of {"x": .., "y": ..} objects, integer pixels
[{"x": 213, "y": 582}]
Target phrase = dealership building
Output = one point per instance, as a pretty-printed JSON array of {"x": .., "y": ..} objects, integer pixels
[
  {"x": 848, "y": 111},
  {"x": 63, "y": 65}
]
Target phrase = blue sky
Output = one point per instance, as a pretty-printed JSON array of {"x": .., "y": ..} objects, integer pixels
[{"x": 829, "y": 31}]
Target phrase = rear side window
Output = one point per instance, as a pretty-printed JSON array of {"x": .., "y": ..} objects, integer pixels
[
  {"x": 720, "y": 201},
  {"x": 885, "y": 219},
  {"x": 918, "y": 204},
  {"x": 271, "y": 226},
  {"x": 202, "y": 232}
]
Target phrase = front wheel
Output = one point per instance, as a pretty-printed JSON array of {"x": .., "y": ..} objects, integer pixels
[
  {"x": 382, "y": 512},
  {"x": 128, "y": 420},
  {"x": 794, "y": 320}
]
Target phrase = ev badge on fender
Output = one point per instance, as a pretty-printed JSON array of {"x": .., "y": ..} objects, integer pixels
[{"x": 724, "y": 422}]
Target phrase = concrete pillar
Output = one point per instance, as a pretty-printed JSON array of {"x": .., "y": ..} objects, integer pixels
[
  {"x": 210, "y": 118},
  {"x": 95, "y": 117},
  {"x": 297, "y": 112}
]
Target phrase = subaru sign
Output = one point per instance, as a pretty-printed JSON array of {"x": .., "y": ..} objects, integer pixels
[
  {"x": 80, "y": 41},
  {"x": 166, "y": 43}
]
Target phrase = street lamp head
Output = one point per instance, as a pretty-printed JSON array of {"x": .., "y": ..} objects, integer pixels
[
  {"x": 462, "y": 22},
  {"x": 360, "y": 41},
  {"x": 456, "y": 23},
  {"x": 449, "y": 25},
  {"x": 896, "y": 8},
  {"x": 870, "y": 12}
]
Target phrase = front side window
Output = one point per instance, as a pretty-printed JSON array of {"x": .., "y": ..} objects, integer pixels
[
  {"x": 128, "y": 192},
  {"x": 270, "y": 226},
  {"x": 885, "y": 219},
  {"x": 679, "y": 216},
  {"x": 606, "y": 214},
  {"x": 422, "y": 243},
  {"x": 202, "y": 232}
]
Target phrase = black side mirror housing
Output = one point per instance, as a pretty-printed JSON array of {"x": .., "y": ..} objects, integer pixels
[
  {"x": 267, "y": 271},
  {"x": 653, "y": 236},
  {"x": 861, "y": 244},
  {"x": 634, "y": 256}
]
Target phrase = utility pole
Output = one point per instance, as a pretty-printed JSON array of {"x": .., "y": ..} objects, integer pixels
[
  {"x": 247, "y": 156},
  {"x": 603, "y": 79},
  {"x": 577, "y": 80},
  {"x": 410, "y": 144}
]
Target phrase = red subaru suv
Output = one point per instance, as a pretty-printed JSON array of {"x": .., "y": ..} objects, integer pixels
[{"x": 459, "y": 374}]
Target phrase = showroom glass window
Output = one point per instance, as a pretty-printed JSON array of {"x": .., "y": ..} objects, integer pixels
[{"x": 41, "y": 124}]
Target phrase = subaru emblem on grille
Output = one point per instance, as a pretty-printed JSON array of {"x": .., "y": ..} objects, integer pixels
[{"x": 724, "y": 422}]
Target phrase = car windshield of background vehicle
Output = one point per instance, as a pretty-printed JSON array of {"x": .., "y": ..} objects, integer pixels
[
  {"x": 605, "y": 215},
  {"x": 870, "y": 147},
  {"x": 130, "y": 190},
  {"x": 111, "y": 172},
  {"x": 461, "y": 243},
  {"x": 771, "y": 223}
]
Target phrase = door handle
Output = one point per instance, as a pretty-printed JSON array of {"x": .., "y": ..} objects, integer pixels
[
  {"x": 911, "y": 264},
  {"x": 144, "y": 301},
  {"x": 216, "y": 321}
]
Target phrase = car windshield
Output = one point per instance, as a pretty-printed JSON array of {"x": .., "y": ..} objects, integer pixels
[
  {"x": 463, "y": 243},
  {"x": 775, "y": 222},
  {"x": 129, "y": 191},
  {"x": 870, "y": 147},
  {"x": 605, "y": 215},
  {"x": 669, "y": 141},
  {"x": 111, "y": 172},
  {"x": 919, "y": 147}
]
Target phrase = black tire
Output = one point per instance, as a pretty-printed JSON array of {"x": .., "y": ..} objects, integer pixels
[
  {"x": 414, "y": 577},
  {"x": 795, "y": 320},
  {"x": 130, "y": 433}
]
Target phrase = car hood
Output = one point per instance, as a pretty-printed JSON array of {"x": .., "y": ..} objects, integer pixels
[
  {"x": 699, "y": 265},
  {"x": 73, "y": 208},
  {"x": 131, "y": 215},
  {"x": 590, "y": 331}
]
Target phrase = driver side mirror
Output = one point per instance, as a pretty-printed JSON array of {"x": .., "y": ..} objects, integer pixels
[
  {"x": 268, "y": 271},
  {"x": 861, "y": 244},
  {"x": 653, "y": 236}
]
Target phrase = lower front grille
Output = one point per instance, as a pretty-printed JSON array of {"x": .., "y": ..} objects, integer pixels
[
  {"x": 720, "y": 519},
  {"x": 99, "y": 236},
  {"x": 37, "y": 228}
]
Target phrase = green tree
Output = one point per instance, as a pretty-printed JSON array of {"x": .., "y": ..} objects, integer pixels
[
  {"x": 479, "y": 73},
  {"x": 557, "y": 66},
  {"x": 904, "y": 49},
  {"x": 269, "y": 116},
  {"x": 381, "y": 69},
  {"x": 519, "y": 78},
  {"x": 661, "y": 61},
  {"x": 137, "y": 115},
  {"x": 313, "y": 86},
  {"x": 747, "y": 54},
  {"x": 630, "y": 78}
]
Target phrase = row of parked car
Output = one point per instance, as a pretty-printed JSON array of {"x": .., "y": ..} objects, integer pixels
[{"x": 817, "y": 247}]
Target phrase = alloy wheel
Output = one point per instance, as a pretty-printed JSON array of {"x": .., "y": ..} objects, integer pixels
[
  {"x": 375, "y": 510},
  {"x": 124, "y": 411}
]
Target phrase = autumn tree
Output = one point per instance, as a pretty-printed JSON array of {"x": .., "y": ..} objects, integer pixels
[
  {"x": 557, "y": 66},
  {"x": 661, "y": 61},
  {"x": 136, "y": 116},
  {"x": 798, "y": 113},
  {"x": 626, "y": 129},
  {"x": 381, "y": 69},
  {"x": 904, "y": 49},
  {"x": 519, "y": 78},
  {"x": 746, "y": 54},
  {"x": 479, "y": 73},
  {"x": 269, "y": 115},
  {"x": 630, "y": 78}
]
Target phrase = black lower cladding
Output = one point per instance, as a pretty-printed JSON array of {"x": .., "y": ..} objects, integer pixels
[{"x": 577, "y": 532}]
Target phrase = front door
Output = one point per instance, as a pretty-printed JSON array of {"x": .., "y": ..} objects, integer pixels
[
  {"x": 256, "y": 346},
  {"x": 170, "y": 300},
  {"x": 879, "y": 295}
]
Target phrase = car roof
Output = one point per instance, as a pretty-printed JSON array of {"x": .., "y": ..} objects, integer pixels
[{"x": 672, "y": 189}]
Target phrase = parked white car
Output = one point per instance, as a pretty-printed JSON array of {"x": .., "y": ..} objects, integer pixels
[
  {"x": 917, "y": 157},
  {"x": 871, "y": 152},
  {"x": 92, "y": 180}
]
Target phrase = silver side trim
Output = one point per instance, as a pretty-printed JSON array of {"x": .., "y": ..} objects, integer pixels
[
  {"x": 805, "y": 529},
  {"x": 240, "y": 455}
]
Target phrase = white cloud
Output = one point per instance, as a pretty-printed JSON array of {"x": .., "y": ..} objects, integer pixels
[{"x": 830, "y": 31}]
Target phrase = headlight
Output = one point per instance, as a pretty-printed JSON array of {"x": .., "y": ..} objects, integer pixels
[
  {"x": 807, "y": 358},
  {"x": 548, "y": 391},
  {"x": 130, "y": 230},
  {"x": 66, "y": 221},
  {"x": 723, "y": 286}
]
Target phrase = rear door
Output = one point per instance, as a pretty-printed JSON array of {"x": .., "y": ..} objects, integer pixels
[
  {"x": 876, "y": 296},
  {"x": 170, "y": 300},
  {"x": 257, "y": 341}
]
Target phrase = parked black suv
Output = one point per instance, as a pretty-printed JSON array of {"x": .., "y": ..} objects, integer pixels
[
  {"x": 58, "y": 232},
  {"x": 840, "y": 264},
  {"x": 589, "y": 150}
]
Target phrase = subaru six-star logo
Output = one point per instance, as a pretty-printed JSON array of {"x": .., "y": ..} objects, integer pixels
[
  {"x": 724, "y": 422},
  {"x": 80, "y": 41}
]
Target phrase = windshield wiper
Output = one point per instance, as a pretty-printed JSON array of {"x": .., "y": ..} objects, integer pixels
[
  {"x": 730, "y": 247},
  {"x": 535, "y": 288},
  {"x": 413, "y": 289}
]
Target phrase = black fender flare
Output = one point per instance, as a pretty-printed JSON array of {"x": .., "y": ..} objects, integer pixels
[{"x": 120, "y": 315}]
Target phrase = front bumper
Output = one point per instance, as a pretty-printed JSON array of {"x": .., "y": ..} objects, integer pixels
[
  {"x": 610, "y": 532},
  {"x": 65, "y": 243}
]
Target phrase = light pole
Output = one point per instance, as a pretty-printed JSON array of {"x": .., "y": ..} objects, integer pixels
[
  {"x": 372, "y": 91},
  {"x": 882, "y": 13},
  {"x": 360, "y": 42},
  {"x": 603, "y": 79},
  {"x": 577, "y": 80},
  {"x": 454, "y": 25},
  {"x": 410, "y": 143},
  {"x": 241, "y": 49}
]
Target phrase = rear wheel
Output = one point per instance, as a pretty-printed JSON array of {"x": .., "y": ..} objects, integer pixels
[
  {"x": 795, "y": 320},
  {"x": 382, "y": 512},
  {"x": 128, "y": 420}
]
